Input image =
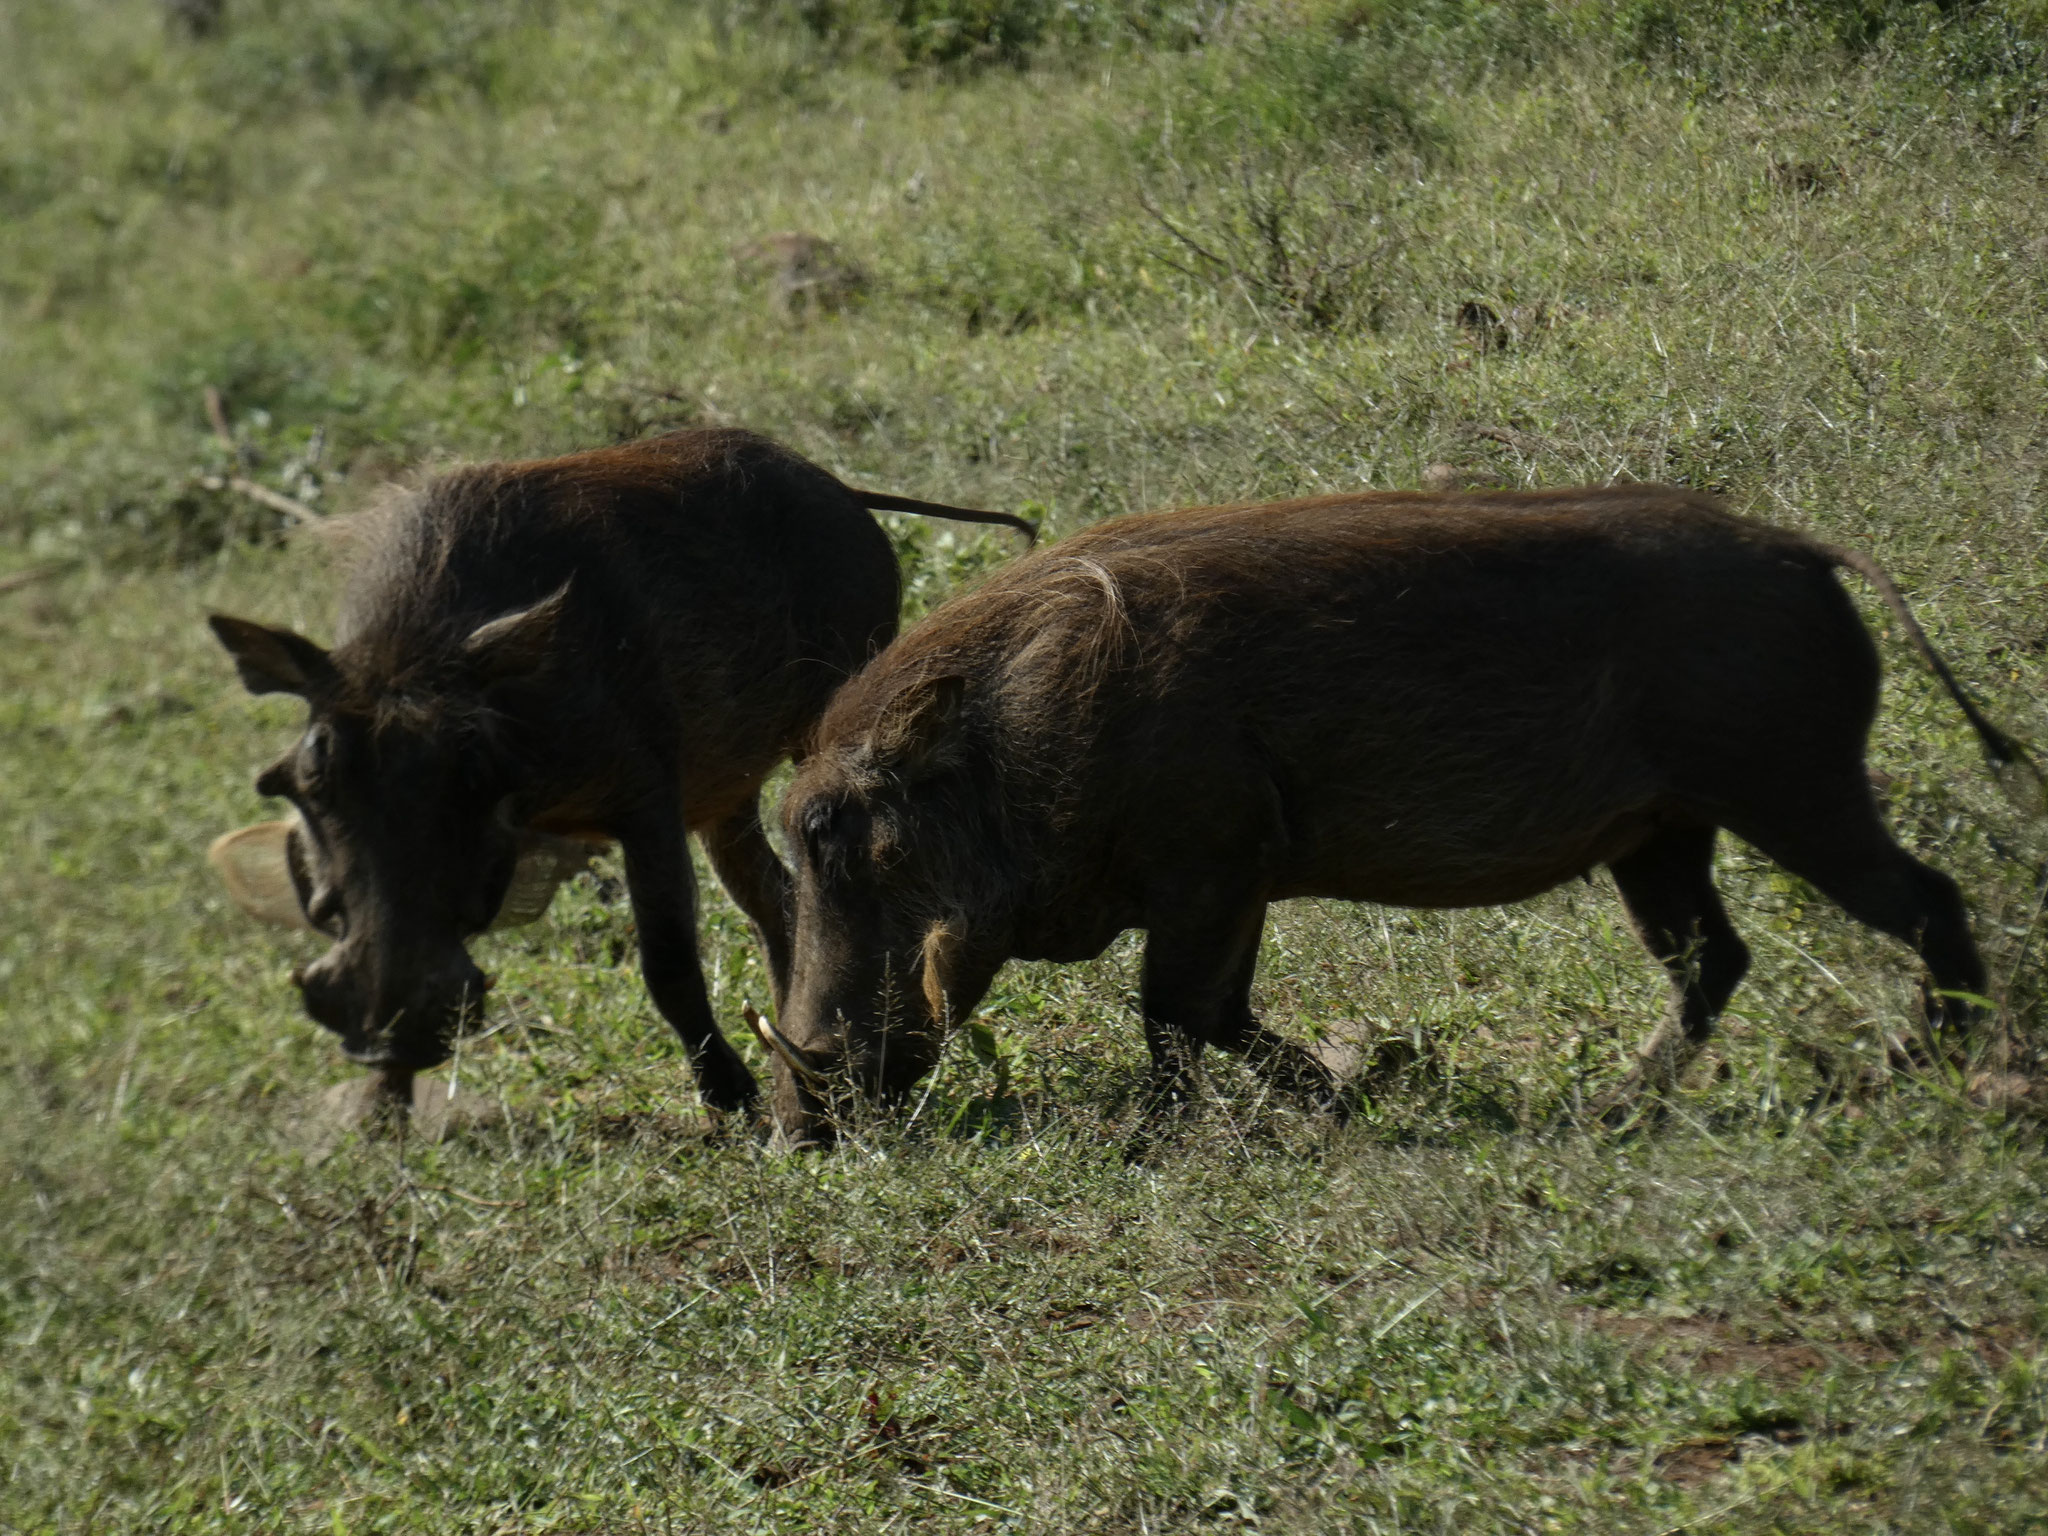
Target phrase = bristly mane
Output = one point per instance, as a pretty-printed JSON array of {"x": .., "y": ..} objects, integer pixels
[
  {"x": 432, "y": 562},
  {"x": 415, "y": 590}
]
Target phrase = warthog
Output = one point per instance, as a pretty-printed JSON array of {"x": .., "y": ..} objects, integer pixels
[
  {"x": 1169, "y": 721},
  {"x": 613, "y": 645}
]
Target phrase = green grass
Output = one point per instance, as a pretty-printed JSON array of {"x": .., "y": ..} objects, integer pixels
[{"x": 1797, "y": 256}]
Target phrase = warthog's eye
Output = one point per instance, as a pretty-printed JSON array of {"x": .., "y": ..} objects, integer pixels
[
  {"x": 316, "y": 755},
  {"x": 832, "y": 830},
  {"x": 815, "y": 825},
  {"x": 326, "y": 912}
]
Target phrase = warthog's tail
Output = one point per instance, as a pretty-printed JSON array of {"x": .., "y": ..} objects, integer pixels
[
  {"x": 875, "y": 501},
  {"x": 2009, "y": 761}
]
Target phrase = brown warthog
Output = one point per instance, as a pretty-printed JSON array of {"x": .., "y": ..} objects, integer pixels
[
  {"x": 1171, "y": 720},
  {"x": 612, "y": 645}
]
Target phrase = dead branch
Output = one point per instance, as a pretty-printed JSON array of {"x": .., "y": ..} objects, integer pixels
[{"x": 277, "y": 501}]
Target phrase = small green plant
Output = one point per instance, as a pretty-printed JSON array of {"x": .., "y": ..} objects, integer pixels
[
  {"x": 533, "y": 269},
  {"x": 1010, "y": 32},
  {"x": 272, "y": 58},
  {"x": 1272, "y": 171}
]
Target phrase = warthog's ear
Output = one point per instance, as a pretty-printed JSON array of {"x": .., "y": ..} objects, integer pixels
[
  {"x": 917, "y": 726},
  {"x": 273, "y": 660},
  {"x": 515, "y": 644}
]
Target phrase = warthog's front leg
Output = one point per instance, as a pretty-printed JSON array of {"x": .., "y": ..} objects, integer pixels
[
  {"x": 759, "y": 883},
  {"x": 1197, "y": 992}
]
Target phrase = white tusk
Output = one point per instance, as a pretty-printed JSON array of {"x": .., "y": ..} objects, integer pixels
[{"x": 777, "y": 1044}]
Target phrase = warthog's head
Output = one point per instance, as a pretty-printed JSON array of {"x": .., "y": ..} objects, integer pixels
[
  {"x": 900, "y": 903},
  {"x": 406, "y": 839}
]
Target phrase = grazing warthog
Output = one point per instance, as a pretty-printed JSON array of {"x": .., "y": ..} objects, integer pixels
[
  {"x": 613, "y": 645},
  {"x": 1171, "y": 720}
]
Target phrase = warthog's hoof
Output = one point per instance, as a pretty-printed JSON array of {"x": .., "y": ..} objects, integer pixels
[
  {"x": 727, "y": 1089},
  {"x": 783, "y": 1143}
]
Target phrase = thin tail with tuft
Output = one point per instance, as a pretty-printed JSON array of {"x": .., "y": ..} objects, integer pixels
[
  {"x": 876, "y": 501},
  {"x": 2007, "y": 758}
]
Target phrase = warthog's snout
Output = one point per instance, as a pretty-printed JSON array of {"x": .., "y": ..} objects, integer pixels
[{"x": 413, "y": 1025}]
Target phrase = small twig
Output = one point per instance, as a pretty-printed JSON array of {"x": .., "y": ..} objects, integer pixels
[
  {"x": 1145, "y": 202},
  {"x": 965, "y": 1498},
  {"x": 34, "y": 574},
  {"x": 277, "y": 501}
]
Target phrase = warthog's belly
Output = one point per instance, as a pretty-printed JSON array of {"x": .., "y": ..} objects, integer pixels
[{"x": 1399, "y": 873}]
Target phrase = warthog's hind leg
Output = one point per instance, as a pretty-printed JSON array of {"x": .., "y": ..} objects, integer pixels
[
  {"x": 664, "y": 889},
  {"x": 1846, "y": 851},
  {"x": 1668, "y": 887}
]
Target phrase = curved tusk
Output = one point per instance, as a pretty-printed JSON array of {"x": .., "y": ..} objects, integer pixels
[
  {"x": 254, "y": 863},
  {"x": 778, "y": 1045},
  {"x": 940, "y": 943}
]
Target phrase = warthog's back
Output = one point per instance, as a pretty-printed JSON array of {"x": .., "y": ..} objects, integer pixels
[{"x": 1415, "y": 699}]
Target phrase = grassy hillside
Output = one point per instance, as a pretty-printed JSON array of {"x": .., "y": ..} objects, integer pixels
[{"x": 1108, "y": 257}]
